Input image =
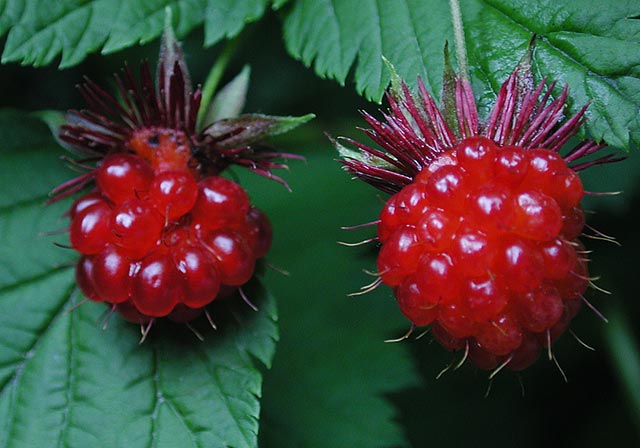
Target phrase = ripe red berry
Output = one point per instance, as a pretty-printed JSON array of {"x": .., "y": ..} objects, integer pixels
[
  {"x": 123, "y": 176},
  {"x": 90, "y": 230},
  {"x": 156, "y": 287},
  {"x": 257, "y": 231},
  {"x": 231, "y": 255},
  {"x": 200, "y": 279},
  {"x": 173, "y": 193},
  {"x": 137, "y": 227},
  {"x": 479, "y": 238},
  {"x": 161, "y": 233},
  {"x": 85, "y": 201},
  {"x": 84, "y": 278},
  {"x": 399, "y": 256},
  {"x": 411, "y": 301},
  {"x": 221, "y": 202},
  {"x": 111, "y": 275},
  {"x": 479, "y": 247}
]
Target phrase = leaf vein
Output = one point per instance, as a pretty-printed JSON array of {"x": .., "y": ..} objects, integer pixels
[
  {"x": 161, "y": 398},
  {"x": 35, "y": 278},
  {"x": 14, "y": 381},
  {"x": 38, "y": 31},
  {"x": 70, "y": 382},
  {"x": 223, "y": 396},
  {"x": 39, "y": 200}
]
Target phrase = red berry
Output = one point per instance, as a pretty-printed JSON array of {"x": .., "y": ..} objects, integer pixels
[
  {"x": 437, "y": 278},
  {"x": 173, "y": 193},
  {"x": 257, "y": 231},
  {"x": 489, "y": 206},
  {"x": 199, "y": 276},
  {"x": 472, "y": 252},
  {"x": 559, "y": 258},
  {"x": 477, "y": 155},
  {"x": 540, "y": 309},
  {"x": 123, "y": 176},
  {"x": 456, "y": 318},
  {"x": 84, "y": 278},
  {"x": 572, "y": 223},
  {"x": 85, "y": 201},
  {"x": 510, "y": 166},
  {"x": 156, "y": 286},
  {"x": 477, "y": 246},
  {"x": 435, "y": 229},
  {"x": 183, "y": 314},
  {"x": 500, "y": 336},
  {"x": 90, "y": 230},
  {"x": 112, "y": 275},
  {"x": 543, "y": 167},
  {"x": 404, "y": 208},
  {"x": 526, "y": 354},
  {"x": 520, "y": 263},
  {"x": 128, "y": 311},
  {"x": 571, "y": 308},
  {"x": 486, "y": 297},
  {"x": 575, "y": 283},
  {"x": 536, "y": 216},
  {"x": 411, "y": 299},
  {"x": 447, "y": 188},
  {"x": 446, "y": 339},
  {"x": 232, "y": 256},
  {"x": 220, "y": 203},
  {"x": 137, "y": 227},
  {"x": 399, "y": 256},
  {"x": 482, "y": 358}
]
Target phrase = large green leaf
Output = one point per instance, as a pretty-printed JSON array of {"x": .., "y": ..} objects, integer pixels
[
  {"x": 333, "y": 370},
  {"x": 594, "y": 49},
  {"x": 41, "y": 30},
  {"x": 66, "y": 382}
]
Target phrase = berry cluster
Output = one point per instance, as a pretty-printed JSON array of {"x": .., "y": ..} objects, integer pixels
[
  {"x": 482, "y": 245},
  {"x": 155, "y": 241}
]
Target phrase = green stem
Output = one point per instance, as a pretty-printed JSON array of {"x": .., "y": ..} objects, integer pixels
[
  {"x": 214, "y": 76},
  {"x": 458, "y": 35},
  {"x": 626, "y": 358}
]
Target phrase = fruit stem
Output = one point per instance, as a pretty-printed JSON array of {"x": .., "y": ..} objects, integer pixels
[
  {"x": 458, "y": 34},
  {"x": 214, "y": 76},
  {"x": 626, "y": 358}
]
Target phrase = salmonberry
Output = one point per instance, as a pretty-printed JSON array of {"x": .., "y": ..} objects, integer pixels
[
  {"x": 480, "y": 236},
  {"x": 156, "y": 250},
  {"x": 162, "y": 233}
]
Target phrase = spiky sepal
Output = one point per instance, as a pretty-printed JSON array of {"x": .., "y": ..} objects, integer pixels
[
  {"x": 168, "y": 106},
  {"x": 415, "y": 131}
]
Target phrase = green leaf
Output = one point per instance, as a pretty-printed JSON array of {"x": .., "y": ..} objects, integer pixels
[
  {"x": 593, "y": 49},
  {"x": 332, "y": 34},
  {"x": 227, "y": 18},
  {"x": 41, "y": 30},
  {"x": 66, "y": 382},
  {"x": 333, "y": 370}
]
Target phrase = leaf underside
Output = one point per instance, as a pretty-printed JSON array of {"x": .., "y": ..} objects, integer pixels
[{"x": 66, "y": 382}]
